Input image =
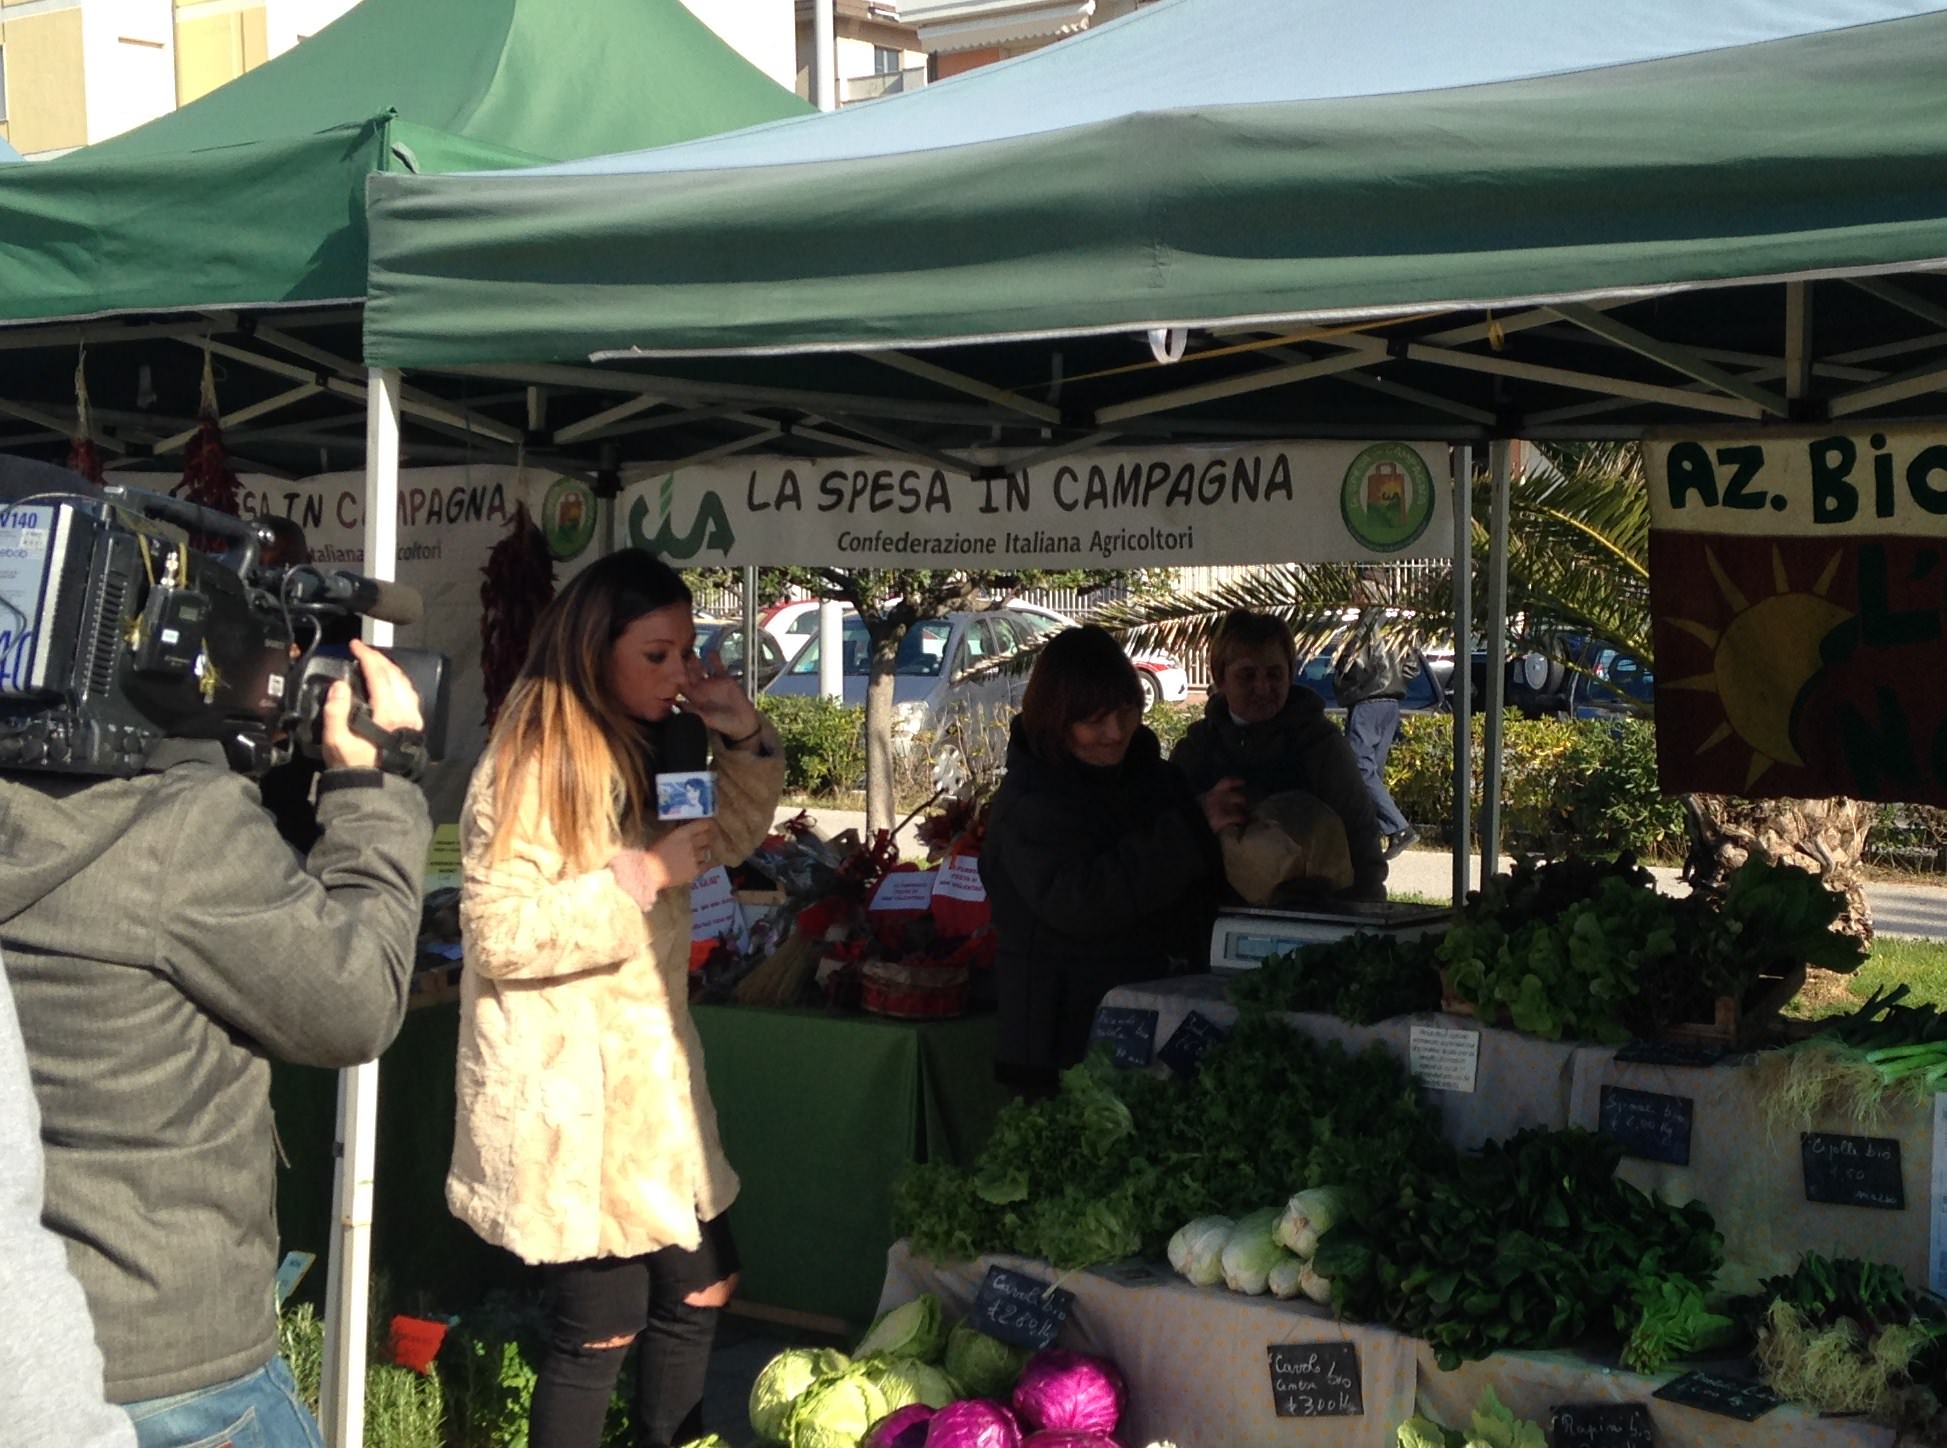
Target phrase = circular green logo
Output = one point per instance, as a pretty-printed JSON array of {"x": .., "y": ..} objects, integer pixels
[
  {"x": 568, "y": 518},
  {"x": 1387, "y": 497}
]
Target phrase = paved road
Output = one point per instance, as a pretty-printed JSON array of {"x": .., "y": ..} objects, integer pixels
[{"x": 1915, "y": 910}]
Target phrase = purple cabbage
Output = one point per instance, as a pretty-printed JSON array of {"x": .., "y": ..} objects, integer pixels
[
  {"x": 1070, "y": 1391},
  {"x": 901, "y": 1428},
  {"x": 973, "y": 1423}
]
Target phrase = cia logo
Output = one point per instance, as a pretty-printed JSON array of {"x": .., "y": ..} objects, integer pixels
[{"x": 1387, "y": 497}]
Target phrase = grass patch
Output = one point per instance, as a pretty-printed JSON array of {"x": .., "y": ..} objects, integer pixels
[{"x": 1921, "y": 964}]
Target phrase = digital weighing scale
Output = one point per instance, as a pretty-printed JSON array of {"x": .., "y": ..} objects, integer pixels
[{"x": 1242, "y": 938}]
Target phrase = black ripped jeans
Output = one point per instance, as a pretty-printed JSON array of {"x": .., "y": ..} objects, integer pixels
[{"x": 612, "y": 1298}]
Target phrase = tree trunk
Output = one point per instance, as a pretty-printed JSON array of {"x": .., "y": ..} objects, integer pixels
[
  {"x": 881, "y": 807},
  {"x": 1826, "y": 837}
]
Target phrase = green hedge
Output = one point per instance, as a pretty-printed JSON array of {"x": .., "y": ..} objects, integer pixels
[
  {"x": 824, "y": 743},
  {"x": 1587, "y": 783}
]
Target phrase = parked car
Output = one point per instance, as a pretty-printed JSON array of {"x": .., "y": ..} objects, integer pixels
[
  {"x": 791, "y": 623},
  {"x": 1161, "y": 674},
  {"x": 939, "y": 669},
  {"x": 1573, "y": 675},
  {"x": 1424, "y": 691},
  {"x": 721, "y": 645}
]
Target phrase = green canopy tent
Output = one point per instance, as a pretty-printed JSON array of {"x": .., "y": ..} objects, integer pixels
[{"x": 252, "y": 199}]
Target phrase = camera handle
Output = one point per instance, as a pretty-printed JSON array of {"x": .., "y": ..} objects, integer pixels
[{"x": 401, "y": 751}]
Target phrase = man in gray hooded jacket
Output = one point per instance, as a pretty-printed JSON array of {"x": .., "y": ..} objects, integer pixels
[{"x": 164, "y": 944}]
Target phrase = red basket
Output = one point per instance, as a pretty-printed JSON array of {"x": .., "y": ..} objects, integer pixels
[{"x": 913, "y": 990}]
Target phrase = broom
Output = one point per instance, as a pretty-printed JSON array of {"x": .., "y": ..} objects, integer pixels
[{"x": 780, "y": 980}]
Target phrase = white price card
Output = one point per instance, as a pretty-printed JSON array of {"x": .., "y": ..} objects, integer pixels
[
  {"x": 1445, "y": 1060},
  {"x": 960, "y": 879},
  {"x": 1937, "y": 1241},
  {"x": 905, "y": 890},
  {"x": 714, "y": 911}
]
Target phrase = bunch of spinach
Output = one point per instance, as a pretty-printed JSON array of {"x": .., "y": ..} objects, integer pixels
[
  {"x": 1360, "y": 978},
  {"x": 1533, "y": 1243},
  {"x": 1116, "y": 1161}
]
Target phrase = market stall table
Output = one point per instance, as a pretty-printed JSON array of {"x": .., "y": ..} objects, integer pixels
[
  {"x": 818, "y": 1112},
  {"x": 1195, "y": 1359}
]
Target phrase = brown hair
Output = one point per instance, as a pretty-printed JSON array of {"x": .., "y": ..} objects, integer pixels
[
  {"x": 562, "y": 723},
  {"x": 1243, "y": 630},
  {"x": 1082, "y": 672}
]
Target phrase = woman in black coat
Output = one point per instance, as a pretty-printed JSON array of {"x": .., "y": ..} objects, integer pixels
[{"x": 1101, "y": 866}]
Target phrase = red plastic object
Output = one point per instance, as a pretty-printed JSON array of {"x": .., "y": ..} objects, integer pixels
[{"x": 415, "y": 1342}]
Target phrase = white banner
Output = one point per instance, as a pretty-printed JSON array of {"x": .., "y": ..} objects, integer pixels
[
  {"x": 1865, "y": 483},
  {"x": 1276, "y": 502}
]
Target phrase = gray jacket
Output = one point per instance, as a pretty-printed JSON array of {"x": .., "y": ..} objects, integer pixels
[{"x": 163, "y": 945}]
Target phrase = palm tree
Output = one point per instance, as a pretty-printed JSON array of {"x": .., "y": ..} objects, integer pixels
[{"x": 1578, "y": 561}]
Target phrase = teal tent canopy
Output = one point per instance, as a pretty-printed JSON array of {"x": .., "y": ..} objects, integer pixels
[
  {"x": 1215, "y": 163},
  {"x": 254, "y": 195}
]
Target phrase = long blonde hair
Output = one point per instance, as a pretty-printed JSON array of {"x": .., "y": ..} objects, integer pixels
[{"x": 562, "y": 723}]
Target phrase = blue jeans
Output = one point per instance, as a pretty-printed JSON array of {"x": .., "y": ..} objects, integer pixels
[
  {"x": 258, "y": 1410},
  {"x": 1371, "y": 726}
]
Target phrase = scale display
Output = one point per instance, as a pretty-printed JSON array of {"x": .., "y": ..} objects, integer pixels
[{"x": 1244, "y": 939}]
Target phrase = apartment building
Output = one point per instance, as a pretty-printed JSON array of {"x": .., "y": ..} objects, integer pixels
[
  {"x": 877, "y": 53},
  {"x": 963, "y": 35},
  {"x": 73, "y": 72}
]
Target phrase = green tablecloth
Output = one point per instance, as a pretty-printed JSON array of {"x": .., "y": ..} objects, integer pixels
[{"x": 818, "y": 1113}]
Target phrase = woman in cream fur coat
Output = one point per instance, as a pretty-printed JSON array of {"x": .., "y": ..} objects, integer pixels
[{"x": 586, "y": 1139}]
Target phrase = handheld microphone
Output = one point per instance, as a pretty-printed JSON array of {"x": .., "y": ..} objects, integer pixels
[{"x": 686, "y": 788}]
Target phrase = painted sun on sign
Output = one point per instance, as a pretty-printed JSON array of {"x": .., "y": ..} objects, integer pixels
[{"x": 1762, "y": 661}]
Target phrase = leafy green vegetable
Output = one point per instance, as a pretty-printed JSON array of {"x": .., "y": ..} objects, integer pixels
[
  {"x": 915, "y": 1329},
  {"x": 1492, "y": 1426},
  {"x": 1673, "y": 1322},
  {"x": 784, "y": 1379},
  {"x": 1117, "y": 1161},
  {"x": 983, "y": 1366}
]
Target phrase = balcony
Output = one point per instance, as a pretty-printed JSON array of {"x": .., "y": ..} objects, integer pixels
[{"x": 873, "y": 87}]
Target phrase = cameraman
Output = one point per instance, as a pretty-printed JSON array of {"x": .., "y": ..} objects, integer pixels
[{"x": 164, "y": 944}]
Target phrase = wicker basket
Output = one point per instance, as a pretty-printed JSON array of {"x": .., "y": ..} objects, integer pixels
[{"x": 918, "y": 991}]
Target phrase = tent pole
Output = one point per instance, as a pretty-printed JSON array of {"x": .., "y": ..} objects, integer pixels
[
  {"x": 824, "y": 55},
  {"x": 1463, "y": 654},
  {"x": 1493, "y": 726},
  {"x": 752, "y": 643},
  {"x": 347, "y": 1309}
]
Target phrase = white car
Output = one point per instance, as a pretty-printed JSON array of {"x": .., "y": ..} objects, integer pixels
[{"x": 1162, "y": 676}]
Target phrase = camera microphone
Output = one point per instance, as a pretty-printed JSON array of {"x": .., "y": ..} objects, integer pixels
[
  {"x": 685, "y": 787},
  {"x": 377, "y": 598}
]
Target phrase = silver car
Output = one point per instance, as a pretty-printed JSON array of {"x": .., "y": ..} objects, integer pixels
[{"x": 947, "y": 667}]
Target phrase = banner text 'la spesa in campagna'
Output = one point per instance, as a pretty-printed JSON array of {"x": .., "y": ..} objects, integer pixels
[{"x": 1128, "y": 485}]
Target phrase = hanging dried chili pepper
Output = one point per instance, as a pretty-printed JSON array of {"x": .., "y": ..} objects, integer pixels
[
  {"x": 207, "y": 478},
  {"x": 519, "y": 584},
  {"x": 82, "y": 457}
]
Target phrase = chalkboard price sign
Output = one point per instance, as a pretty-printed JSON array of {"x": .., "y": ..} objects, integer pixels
[
  {"x": 1183, "y": 1051},
  {"x": 1601, "y": 1425},
  {"x": 1671, "y": 1053},
  {"x": 1647, "y": 1124},
  {"x": 1129, "y": 1033},
  {"x": 1853, "y": 1171},
  {"x": 1727, "y": 1397},
  {"x": 1020, "y": 1309},
  {"x": 1316, "y": 1380}
]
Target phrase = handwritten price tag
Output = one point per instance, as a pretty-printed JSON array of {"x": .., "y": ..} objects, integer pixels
[
  {"x": 1020, "y": 1309},
  {"x": 1601, "y": 1425},
  {"x": 1183, "y": 1052},
  {"x": 1128, "y": 1031},
  {"x": 1853, "y": 1171},
  {"x": 1647, "y": 1124},
  {"x": 1316, "y": 1380},
  {"x": 1727, "y": 1397}
]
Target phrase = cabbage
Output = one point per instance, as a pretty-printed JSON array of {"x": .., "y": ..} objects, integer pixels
[
  {"x": 973, "y": 1423},
  {"x": 983, "y": 1366},
  {"x": 915, "y": 1329},
  {"x": 1250, "y": 1252},
  {"x": 1317, "y": 1288},
  {"x": 1283, "y": 1279},
  {"x": 901, "y": 1428},
  {"x": 1062, "y": 1389},
  {"x": 784, "y": 1378},
  {"x": 1309, "y": 1215},
  {"x": 903, "y": 1381},
  {"x": 1197, "y": 1249},
  {"x": 836, "y": 1412}
]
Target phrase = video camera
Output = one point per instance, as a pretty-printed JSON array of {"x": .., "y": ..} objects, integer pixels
[{"x": 121, "y": 625}]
